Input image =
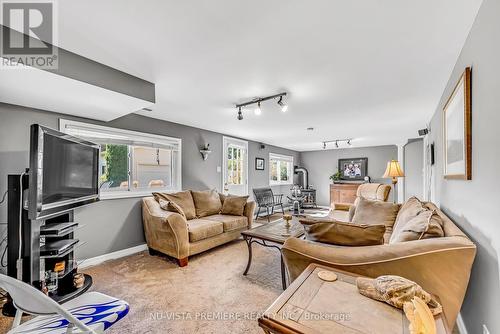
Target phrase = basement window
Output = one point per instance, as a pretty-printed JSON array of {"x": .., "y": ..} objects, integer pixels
[
  {"x": 280, "y": 169},
  {"x": 131, "y": 164}
]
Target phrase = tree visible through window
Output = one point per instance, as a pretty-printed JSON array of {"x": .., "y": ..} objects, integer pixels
[{"x": 115, "y": 160}]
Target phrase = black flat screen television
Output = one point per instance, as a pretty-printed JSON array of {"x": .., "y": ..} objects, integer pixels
[{"x": 64, "y": 172}]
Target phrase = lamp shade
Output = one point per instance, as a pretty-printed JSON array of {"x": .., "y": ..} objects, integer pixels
[{"x": 393, "y": 170}]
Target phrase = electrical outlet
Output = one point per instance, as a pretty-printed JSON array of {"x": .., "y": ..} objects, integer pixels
[{"x": 485, "y": 329}]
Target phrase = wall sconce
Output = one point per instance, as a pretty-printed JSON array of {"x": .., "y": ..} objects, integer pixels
[{"x": 205, "y": 151}]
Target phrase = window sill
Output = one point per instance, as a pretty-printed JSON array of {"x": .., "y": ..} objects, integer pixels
[
  {"x": 131, "y": 194},
  {"x": 280, "y": 184}
]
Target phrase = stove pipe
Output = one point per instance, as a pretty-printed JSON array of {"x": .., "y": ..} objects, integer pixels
[{"x": 305, "y": 176}]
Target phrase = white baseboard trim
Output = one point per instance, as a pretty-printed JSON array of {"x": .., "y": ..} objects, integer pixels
[
  {"x": 461, "y": 325},
  {"x": 111, "y": 256}
]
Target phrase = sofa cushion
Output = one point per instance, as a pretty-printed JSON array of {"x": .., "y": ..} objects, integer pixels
[
  {"x": 199, "y": 229},
  {"x": 427, "y": 224},
  {"x": 183, "y": 199},
  {"x": 234, "y": 205},
  {"x": 376, "y": 213},
  {"x": 170, "y": 206},
  {"x": 344, "y": 234},
  {"x": 230, "y": 222},
  {"x": 206, "y": 202}
]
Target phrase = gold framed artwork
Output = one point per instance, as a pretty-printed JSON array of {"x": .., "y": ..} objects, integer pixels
[{"x": 457, "y": 130}]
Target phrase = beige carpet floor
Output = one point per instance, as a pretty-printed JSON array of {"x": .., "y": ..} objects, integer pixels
[{"x": 210, "y": 295}]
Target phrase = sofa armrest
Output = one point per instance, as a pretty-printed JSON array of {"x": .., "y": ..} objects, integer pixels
[
  {"x": 441, "y": 266},
  {"x": 248, "y": 212},
  {"x": 165, "y": 231},
  {"x": 341, "y": 206},
  {"x": 352, "y": 210}
]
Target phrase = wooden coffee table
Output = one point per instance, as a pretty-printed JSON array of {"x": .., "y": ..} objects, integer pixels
[
  {"x": 272, "y": 235},
  {"x": 311, "y": 305}
]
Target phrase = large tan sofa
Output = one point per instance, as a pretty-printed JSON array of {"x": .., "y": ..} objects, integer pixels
[
  {"x": 171, "y": 234},
  {"x": 440, "y": 265}
]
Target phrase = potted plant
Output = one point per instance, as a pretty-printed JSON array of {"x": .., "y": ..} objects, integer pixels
[{"x": 336, "y": 177}]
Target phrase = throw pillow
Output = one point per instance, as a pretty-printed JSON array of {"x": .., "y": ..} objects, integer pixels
[
  {"x": 234, "y": 205},
  {"x": 345, "y": 234},
  {"x": 206, "y": 202},
  {"x": 376, "y": 213},
  {"x": 171, "y": 206},
  {"x": 409, "y": 210},
  {"x": 427, "y": 224},
  {"x": 183, "y": 199}
]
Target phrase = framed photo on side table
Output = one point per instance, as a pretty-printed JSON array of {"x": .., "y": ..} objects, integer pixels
[
  {"x": 457, "y": 131},
  {"x": 259, "y": 163}
]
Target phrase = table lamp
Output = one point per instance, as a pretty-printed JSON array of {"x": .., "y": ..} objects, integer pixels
[{"x": 393, "y": 171}]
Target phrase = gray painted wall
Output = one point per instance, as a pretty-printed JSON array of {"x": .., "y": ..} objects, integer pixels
[
  {"x": 473, "y": 204},
  {"x": 112, "y": 225},
  {"x": 413, "y": 169},
  {"x": 322, "y": 164}
]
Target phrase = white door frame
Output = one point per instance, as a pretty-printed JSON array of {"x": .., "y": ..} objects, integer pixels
[{"x": 244, "y": 143}]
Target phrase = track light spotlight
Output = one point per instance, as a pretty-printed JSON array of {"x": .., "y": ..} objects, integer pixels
[
  {"x": 257, "y": 110},
  {"x": 283, "y": 105},
  {"x": 240, "y": 114},
  {"x": 337, "y": 144},
  {"x": 349, "y": 142},
  {"x": 324, "y": 145}
]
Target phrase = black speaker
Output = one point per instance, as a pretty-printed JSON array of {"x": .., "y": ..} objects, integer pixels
[{"x": 423, "y": 132}]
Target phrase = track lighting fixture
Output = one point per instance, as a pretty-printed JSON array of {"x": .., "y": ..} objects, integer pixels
[
  {"x": 337, "y": 142},
  {"x": 258, "y": 110},
  {"x": 283, "y": 105}
]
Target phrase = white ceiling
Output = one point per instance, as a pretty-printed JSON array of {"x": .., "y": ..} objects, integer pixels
[{"x": 370, "y": 70}]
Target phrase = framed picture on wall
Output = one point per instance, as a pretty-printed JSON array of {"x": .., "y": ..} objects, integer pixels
[
  {"x": 353, "y": 169},
  {"x": 457, "y": 131},
  {"x": 259, "y": 163}
]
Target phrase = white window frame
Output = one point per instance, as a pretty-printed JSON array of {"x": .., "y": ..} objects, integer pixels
[
  {"x": 142, "y": 137},
  {"x": 284, "y": 158}
]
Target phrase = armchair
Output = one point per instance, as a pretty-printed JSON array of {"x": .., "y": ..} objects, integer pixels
[
  {"x": 266, "y": 199},
  {"x": 371, "y": 191}
]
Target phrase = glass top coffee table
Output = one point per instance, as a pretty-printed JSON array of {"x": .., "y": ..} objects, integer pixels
[{"x": 272, "y": 235}]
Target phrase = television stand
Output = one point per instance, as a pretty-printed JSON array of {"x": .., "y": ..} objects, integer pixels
[{"x": 45, "y": 242}]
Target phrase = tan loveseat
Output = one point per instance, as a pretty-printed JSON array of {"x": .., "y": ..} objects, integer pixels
[
  {"x": 440, "y": 265},
  {"x": 172, "y": 234}
]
